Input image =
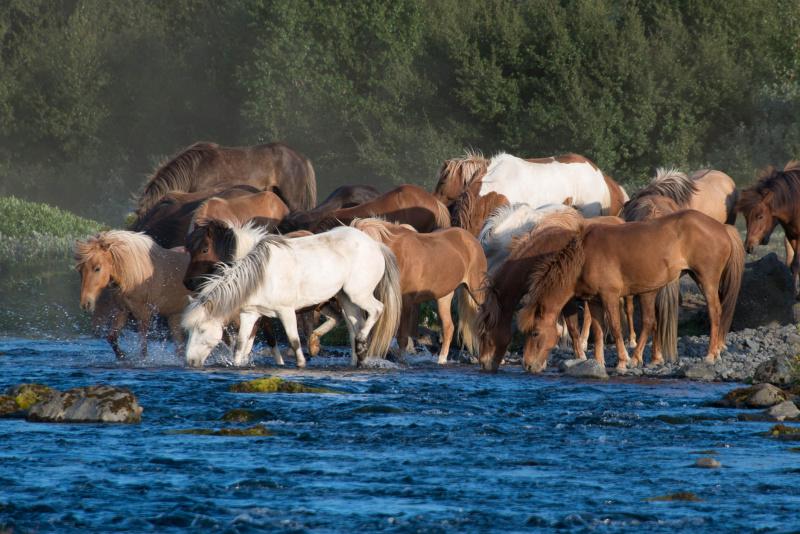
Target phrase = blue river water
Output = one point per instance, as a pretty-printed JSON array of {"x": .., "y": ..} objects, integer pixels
[{"x": 423, "y": 449}]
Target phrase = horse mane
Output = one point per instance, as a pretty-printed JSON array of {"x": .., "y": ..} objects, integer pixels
[
  {"x": 466, "y": 167},
  {"x": 246, "y": 237},
  {"x": 130, "y": 255},
  {"x": 177, "y": 173},
  {"x": 783, "y": 184},
  {"x": 670, "y": 183},
  {"x": 648, "y": 207},
  {"x": 379, "y": 229},
  {"x": 222, "y": 294},
  {"x": 471, "y": 211},
  {"x": 569, "y": 220},
  {"x": 221, "y": 234}
]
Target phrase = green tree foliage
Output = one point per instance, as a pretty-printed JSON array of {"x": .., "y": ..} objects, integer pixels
[{"x": 94, "y": 93}]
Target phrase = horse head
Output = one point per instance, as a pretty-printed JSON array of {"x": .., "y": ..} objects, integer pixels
[
  {"x": 96, "y": 268},
  {"x": 205, "y": 333},
  {"x": 494, "y": 330},
  {"x": 758, "y": 212},
  {"x": 542, "y": 335},
  {"x": 208, "y": 244}
]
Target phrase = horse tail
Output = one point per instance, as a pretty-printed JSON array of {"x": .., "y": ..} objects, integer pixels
[
  {"x": 310, "y": 189},
  {"x": 389, "y": 293},
  {"x": 442, "y": 215},
  {"x": 667, "y": 304},
  {"x": 731, "y": 281},
  {"x": 732, "y": 203},
  {"x": 467, "y": 306}
]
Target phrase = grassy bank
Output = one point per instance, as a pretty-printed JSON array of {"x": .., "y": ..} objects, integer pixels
[{"x": 30, "y": 230}]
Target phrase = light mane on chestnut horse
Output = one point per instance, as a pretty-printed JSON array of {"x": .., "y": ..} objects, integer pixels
[
  {"x": 774, "y": 199},
  {"x": 206, "y": 165},
  {"x": 535, "y": 181},
  {"x": 148, "y": 279},
  {"x": 470, "y": 212},
  {"x": 432, "y": 267},
  {"x": 608, "y": 262},
  {"x": 457, "y": 173},
  {"x": 407, "y": 204}
]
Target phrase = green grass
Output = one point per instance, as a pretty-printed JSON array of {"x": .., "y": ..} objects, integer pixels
[{"x": 31, "y": 230}]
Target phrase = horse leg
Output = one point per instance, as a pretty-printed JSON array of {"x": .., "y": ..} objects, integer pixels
[
  {"x": 789, "y": 247},
  {"x": 631, "y": 329},
  {"x": 403, "y": 336},
  {"x": 143, "y": 317},
  {"x": 647, "y": 302},
  {"x": 795, "y": 267},
  {"x": 446, "y": 319},
  {"x": 352, "y": 318},
  {"x": 599, "y": 338},
  {"x": 244, "y": 341},
  {"x": 117, "y": 324},
  {"x": 373, "y": 308},
  {"x": 288, "y": 319},
  {"x": 272, "y": 342},
  {"x": 611, "y": 306},
  {"x": 330, "y": 322},
  {"x": 307, "y": 321},
  {"x": 571, "y": 321},
  {"x": 174, "y": 322},
  {"x": 585, "y": 328},
  {"x": 715, "y": 343}
]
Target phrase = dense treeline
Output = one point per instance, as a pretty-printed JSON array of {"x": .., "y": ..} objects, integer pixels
[{"x": 94, "y": 93}]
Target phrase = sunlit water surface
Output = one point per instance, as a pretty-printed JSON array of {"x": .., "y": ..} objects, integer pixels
[{"x": 415, "y": 450}]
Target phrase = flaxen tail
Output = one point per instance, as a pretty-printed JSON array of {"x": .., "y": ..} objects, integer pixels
[
  {"x": 442, "y": 216},
  {"x": 667, "y": 304},
  {"x": 468, "y": 300},
  {"x": 389, "y": 293},
  {"x": 731, "y": 281},
  {"x": 310, "y": 189}
]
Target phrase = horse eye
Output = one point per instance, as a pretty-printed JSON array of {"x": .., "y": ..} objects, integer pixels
[
  {"x": 97, "y": 269},
  {"x": 534, "y": 333},
  {"x": 205, "y": 250}
]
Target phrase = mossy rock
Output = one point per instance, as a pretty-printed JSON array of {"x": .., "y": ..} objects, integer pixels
[
  {"x": 784, "y": 432},
  {"x": 26, "y": 395},
  {"x": 9, "y": 406},
  {"x": 243, "y": 415},
  {"x": 687, "y": 496},
  {"x": 757, "y": 396},
  {"x": 257, "y": 430},
  {"x": 273, "y": 384}
]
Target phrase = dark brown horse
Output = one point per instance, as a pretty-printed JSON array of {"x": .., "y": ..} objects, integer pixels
[
  {"x": 208, "y": 165},
  {"x": 168, "y": 221},
  {"x": 608, "y": 261},
  {"x": 407, "y": 204},
  {"x": 774, "y": 200},
  {"x": 346, "y": 196}
]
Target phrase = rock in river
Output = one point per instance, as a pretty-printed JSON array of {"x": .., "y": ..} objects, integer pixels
[
  {"x": 785, "y": 410},
  {"x": 780, "y": 370},
  {"x": 758, "y": 396},
  {"x": 585, "y": 369},
  {"x": 91, "y": 404}
]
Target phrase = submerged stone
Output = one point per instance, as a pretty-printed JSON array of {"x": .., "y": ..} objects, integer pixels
[
  {"x": 707, "y": 462},
  {"x": 273, "y": 384},
  {"x": 91, "y": 404},
  {"x": 679, "y": 496},
  {"x": 788, "y": 433},
  {"x": 257, "y": 430},
  {"x": 243, "y": 415}
]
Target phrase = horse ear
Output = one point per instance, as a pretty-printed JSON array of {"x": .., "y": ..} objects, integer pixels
[{"x": 568, "y": 201}]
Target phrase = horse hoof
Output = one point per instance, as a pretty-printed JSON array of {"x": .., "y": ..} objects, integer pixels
[
  {"x": 622, "y": 369},
  {"x": 442, "y": 360}
]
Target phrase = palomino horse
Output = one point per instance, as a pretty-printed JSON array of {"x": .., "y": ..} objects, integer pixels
[
  {"x": 168, "y": 221},
  {"x": 280, "y": 275},
  {"x": 147, "y": 279},
  {"x": 223, "y": 242},
  {"x": 346, "y": 196},
  {"x": 774, "y": 199},
  {"x": 607, "y": 262},
  {"x": 470, "y": 212},
  {"x": 204, "y": 166},
  {"x": 532, "y": 181},
  {"x": 432, "y": 267},
  {"x": 407, "y": 204}
]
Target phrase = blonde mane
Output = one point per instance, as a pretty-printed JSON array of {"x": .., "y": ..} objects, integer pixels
[
  {"x": 131, "y": 255},
  {"x": 465, "y": 167},
  {"x": 670, "y": 183},
  {"x": 379, "y": 229}
]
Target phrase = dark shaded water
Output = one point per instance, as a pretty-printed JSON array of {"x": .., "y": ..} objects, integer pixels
[{"x": 423, "y": 449}]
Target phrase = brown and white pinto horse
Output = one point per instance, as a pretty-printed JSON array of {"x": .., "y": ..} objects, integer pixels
[
  {"x": 205, "y": 165},
  {"x": 607, "y": 262},
  {"x": 407, "y": 204},
  {"x": 434, "y": 266},
  {"x": 774, "y": 199}
]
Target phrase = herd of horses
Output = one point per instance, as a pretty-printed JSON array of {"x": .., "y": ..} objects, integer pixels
[{"x": 225, "y": 239}]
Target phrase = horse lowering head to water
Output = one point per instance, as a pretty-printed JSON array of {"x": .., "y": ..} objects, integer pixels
[
  {"x": 147, "y": 277},
  {"x": 204, "y": 166},
  {"x": 280, "y": 275}
]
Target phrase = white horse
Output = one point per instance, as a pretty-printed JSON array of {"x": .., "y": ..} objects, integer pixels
[
  {"x": 508, "y": 222},
  {"x": 280, "y": 275}
]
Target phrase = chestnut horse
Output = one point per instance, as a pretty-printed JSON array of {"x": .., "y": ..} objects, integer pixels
[
  {"x": 265, "y": 206},
  {"x": 432, "y": 267},
  {"x": 147, "y": 278},
  {"x": 535, "y": 182},
  {"x": 204, "y": 166},
  {"x": 346, "y": 196},
  {"x": 635, "y": 258},
  {"x": 407, "y": 204},
  {"x": 470, "y": 212},
  {"x": 168, "y": 221},
  {"x": 774, "y": 199}
]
